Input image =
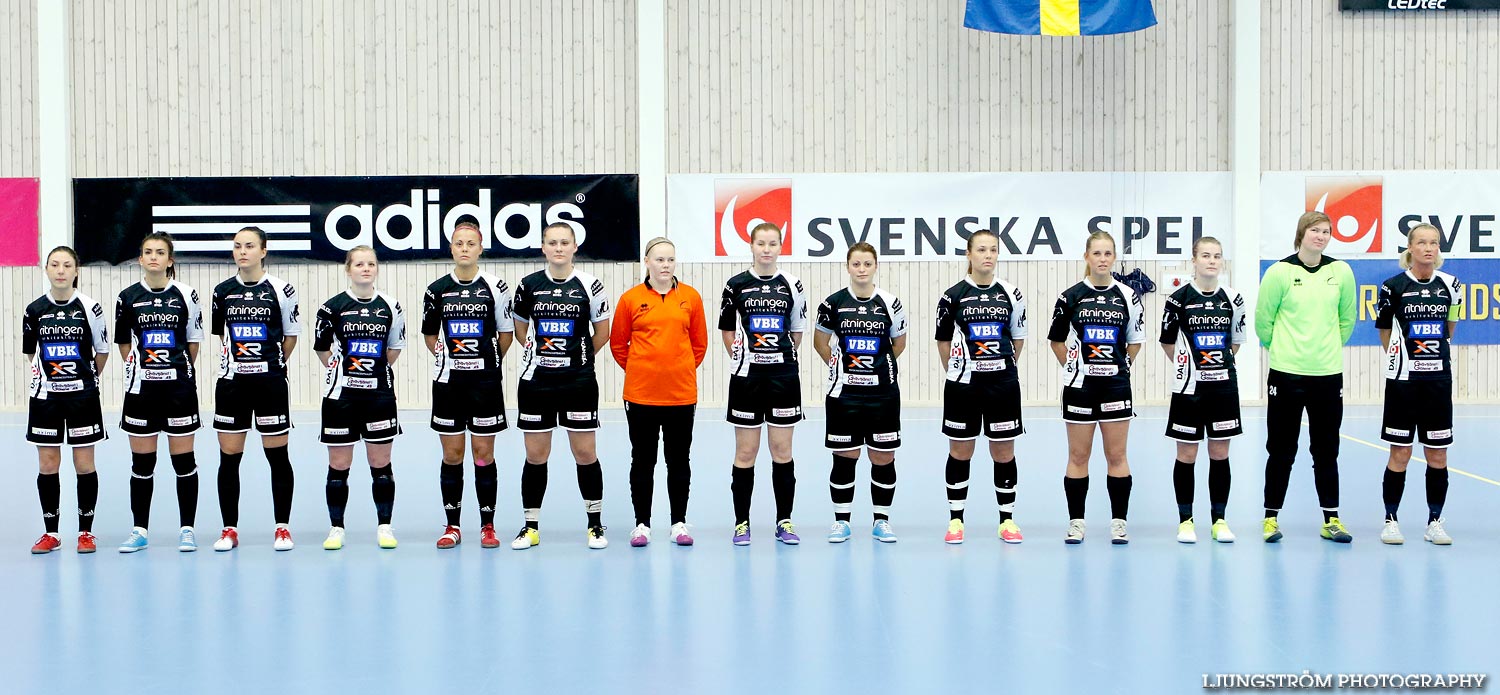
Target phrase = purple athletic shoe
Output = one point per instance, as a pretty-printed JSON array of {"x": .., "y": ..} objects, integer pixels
[
  {"x": 742, "y": 533},
  {"x": 786, "y": 533}
]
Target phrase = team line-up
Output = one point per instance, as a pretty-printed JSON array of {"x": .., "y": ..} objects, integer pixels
[{"x": 562, "y": 319}]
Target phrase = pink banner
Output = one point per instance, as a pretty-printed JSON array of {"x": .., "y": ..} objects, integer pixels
[{"x": 18, "y": 225}]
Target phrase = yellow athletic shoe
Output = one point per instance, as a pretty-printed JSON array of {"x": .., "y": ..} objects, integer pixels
[
  {"x": 955, "y": 533},
  {"x": 525, "y": 539},
  {"x": 1009, "y": 531},
  {"x": 1270, "y": 529},
  {"x": 385, "y": 537},
  {"x": 1221, "y": 532},
  {"x": 335, "y": 539},
  {"x": 1334, "y": 531}
]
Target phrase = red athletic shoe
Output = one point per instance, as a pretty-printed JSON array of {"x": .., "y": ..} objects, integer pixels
[
  {"x": 451, "y": 537},
  {"x": 46, "y": 544},
  {"x": 487, "y": 537},
  {"x": 86, "y": 542}
]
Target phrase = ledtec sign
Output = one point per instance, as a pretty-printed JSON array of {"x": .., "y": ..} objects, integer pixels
[
  {"x": 929, "y": 217},
  {"x": 322, "y": 217}
]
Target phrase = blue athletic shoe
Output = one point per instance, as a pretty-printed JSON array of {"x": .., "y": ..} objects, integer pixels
[
  {"x": 882, "y": 532},
  {"x": 136, "y": 541},
  {"x": 839, "y": 532},
  {"x": 186, "y": 541}
]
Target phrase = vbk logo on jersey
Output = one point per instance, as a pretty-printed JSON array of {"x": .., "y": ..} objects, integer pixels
[
  {"x": 988, "y": 330},
  {"x": 1354, "y": 204},
  {"x": 554, "y": 327},
  {"x": 862, "y": 345},
  {"x": 248, "y": 331},
  {"x": 1100, "y": 334},
  {"x": 741, "y": 204},
  {"x": 466, "y": 328},
  {"x": 1209, "y": 341},
  {"x": 1426, "y": 329},
  {"x": 767, "y": 323},
  {"x": 61, "y": 351},
  {"x": 159, "y": 339},
  {"x": 367, "y": 348}
]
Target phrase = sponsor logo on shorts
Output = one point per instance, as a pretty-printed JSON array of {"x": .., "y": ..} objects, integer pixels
[
  {"x": 741, "y": 414},
  {"x": 355, "y": 382},
  {"x": 862, "y": 379},
  {"x": 334, "y": 431},
  {"x": 270, "y": 419},
  {"x": 134, "y": 421},
  {"x": 885, "y": 436},
  {"x": 380, "y": 425},
  {"x": 1101, "y": 370},
  {"x": 766, "y": 358},
  {"x": 840, "y": 438},
  {"x": 251, "y": 368},
  {"x": 580, "y": 415},
  {"x": 223, "y": 418},
  {"x": 528, "y": 417},
  {"x": 1397, "y": 433},
  {"x": 1226, "y": 425},
  {"x": 1186, "y": 429},
  {"x": 1079, "y": 410},
  {"x": 181, "y": 421},
  {"x": 954, "y": 425},
  {"x": 83, "y": 431},
  {"x": 1440, "y": 434},
  {"x": 1004, "y": 426},
  {"x": 1427, "y": 365},
  {"x": 482, "y": 421},
  {"x": 44, "y": 432},
  {"x": 446, "y": 422},
  {"x": 785, "y": 412}
]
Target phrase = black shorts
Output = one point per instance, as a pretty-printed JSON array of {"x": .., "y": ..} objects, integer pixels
[
  {"x": 1418, "y": 410},
  {"x": 871, "y": 422},
  {"x": 990, "y": 407},
  {"x": 1110, "y": 403},
  {"x": 572, "y": 404},
  {"x": 770, "y": 400},
  {"x": 346, "y": 421},
  {"x": 79, "y": 421},
  {"x": 173, "y": 410},
  {"x": 262, "y": 401},
  {"x": 474, "y": 408},
  {"x": 1213, "y": 414}
]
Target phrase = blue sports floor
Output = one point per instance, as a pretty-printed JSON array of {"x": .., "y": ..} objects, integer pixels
[{"x": 917, "y": 616}]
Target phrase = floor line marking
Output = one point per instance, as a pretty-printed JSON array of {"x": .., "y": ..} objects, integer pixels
[{"x": 1419, "y": 459}]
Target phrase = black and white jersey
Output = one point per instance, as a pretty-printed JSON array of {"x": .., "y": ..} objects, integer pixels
[
  {"x": 561, "y": 316},
  {"x": 467, "y": 319},
  {"x": 1420, "y": 346},
  {"x": 987, "y": 318},
  {"x": 158, "y": 325},
  {"x": 1096, "y": 324},
  {"x": 62, "y": 340},
  {"x": 1204, "y": 328},
  {"x": 763, "y": 313},
  {"x": 861, "y": 335},
  {"x": 359, "y": 332},
  {"x": 251, "y": 321}
]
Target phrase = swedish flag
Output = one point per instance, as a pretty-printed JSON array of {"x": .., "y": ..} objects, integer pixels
[{"x": 1059, "y": 17}]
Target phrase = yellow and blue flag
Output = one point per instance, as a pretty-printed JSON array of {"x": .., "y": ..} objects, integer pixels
[{"x": 1059, "y": 17}]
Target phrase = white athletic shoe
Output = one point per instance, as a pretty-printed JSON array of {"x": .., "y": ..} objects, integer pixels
[
  {"x": 1117, "y": 533},
  {"x": 385, "y": 537},
  {"x": 283, "y": 539},
  {"x": 335, "y": 539},
  {"x": 1186, "y": 533},
  {"x": 597, "y": 541},
  {"x": 1075, "y": 532},
  {"x": 640, "y": 537},
  {"x": 1390, "y": 534},
  {"x": 228, "y": 539},
  {"x": 1436, "y": 534}
]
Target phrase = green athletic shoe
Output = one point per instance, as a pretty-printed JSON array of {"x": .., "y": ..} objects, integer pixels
[
  {"x": 1221, "y": 532},
  {"x": 1270, "y": 529},
  {"x": 1334, "y": 531}
]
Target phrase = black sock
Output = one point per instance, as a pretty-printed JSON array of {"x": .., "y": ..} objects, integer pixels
[
  {"x": 1218, "y": 487},
  {"x": 451, "y": 486},
  {"x": 1005, "y": 488},
  {"x": 1437, "y": 492},
  {"x": 486, "y": 489},
  {"x": 533, "y": 489},
  {"x": 741, "y": 485},
  {"x": 882, "y": 489},
  {"x": 591, "y": 486},
  {"x": 49, "y": 489},
  {"x": 1077, "y": 492},
  {"x": 283, "y": 482},
  {"x": 956, "y": 475},
  {"x": 187, "y": 487},
  {"x": 383, "y": 490},
  {"x": 88, "y": 496},
  {"x": 142, "y": 468},
  {"x": 1182, "y": 484},
  {"x": 1392, "y": 485},
  {"x": 337, "y": 493},
  {"x": 229, "y": 487},
  {"x": 841, "y": 486},
  {"x": 1119, "y": 495},
  {"x": 784, "y": 486}
]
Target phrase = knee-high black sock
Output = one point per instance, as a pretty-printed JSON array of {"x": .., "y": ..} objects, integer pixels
[
  {"x": 741, "y": 486},
  {"x": 451, "y": 485},
  {"x": 1119, "y": 495},
  {"x": 1437, "y": 492},
  {"x": 882, "y": 489},
  {"x": 1392, "y": 485},
  {"x": 1218, "y": 487},
  {"x": 1182, "y": 485},
  {"x": 88, "y": 496},
  {"x": 533, "y": 489},
  {"x": 956, "y": 475},
  {"x": 784, "y": 485},
  {"x": 591, "y": 487},
  {"x": 1005, "y": 488},
  {"x": 841, "y": 486},
  {"x": 49, "y": 489},
  {"x": 337, "y": 493},
  {"x": 142, "y": 468},
  {"x": 229, "y": 487},
  {"x": 383, "y": 490},
  {"x": 283, "y": 482},
  {"x": 1077, "y": 492},
  {"x": 486, "y": 489},
  {"x": 187, "y": 487}
]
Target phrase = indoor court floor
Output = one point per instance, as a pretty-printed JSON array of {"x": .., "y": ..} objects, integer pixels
[{"x": 916, "y": 616}]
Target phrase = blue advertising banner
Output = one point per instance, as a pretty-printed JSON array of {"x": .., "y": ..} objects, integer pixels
[{"x": 1479, "y": 324}]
